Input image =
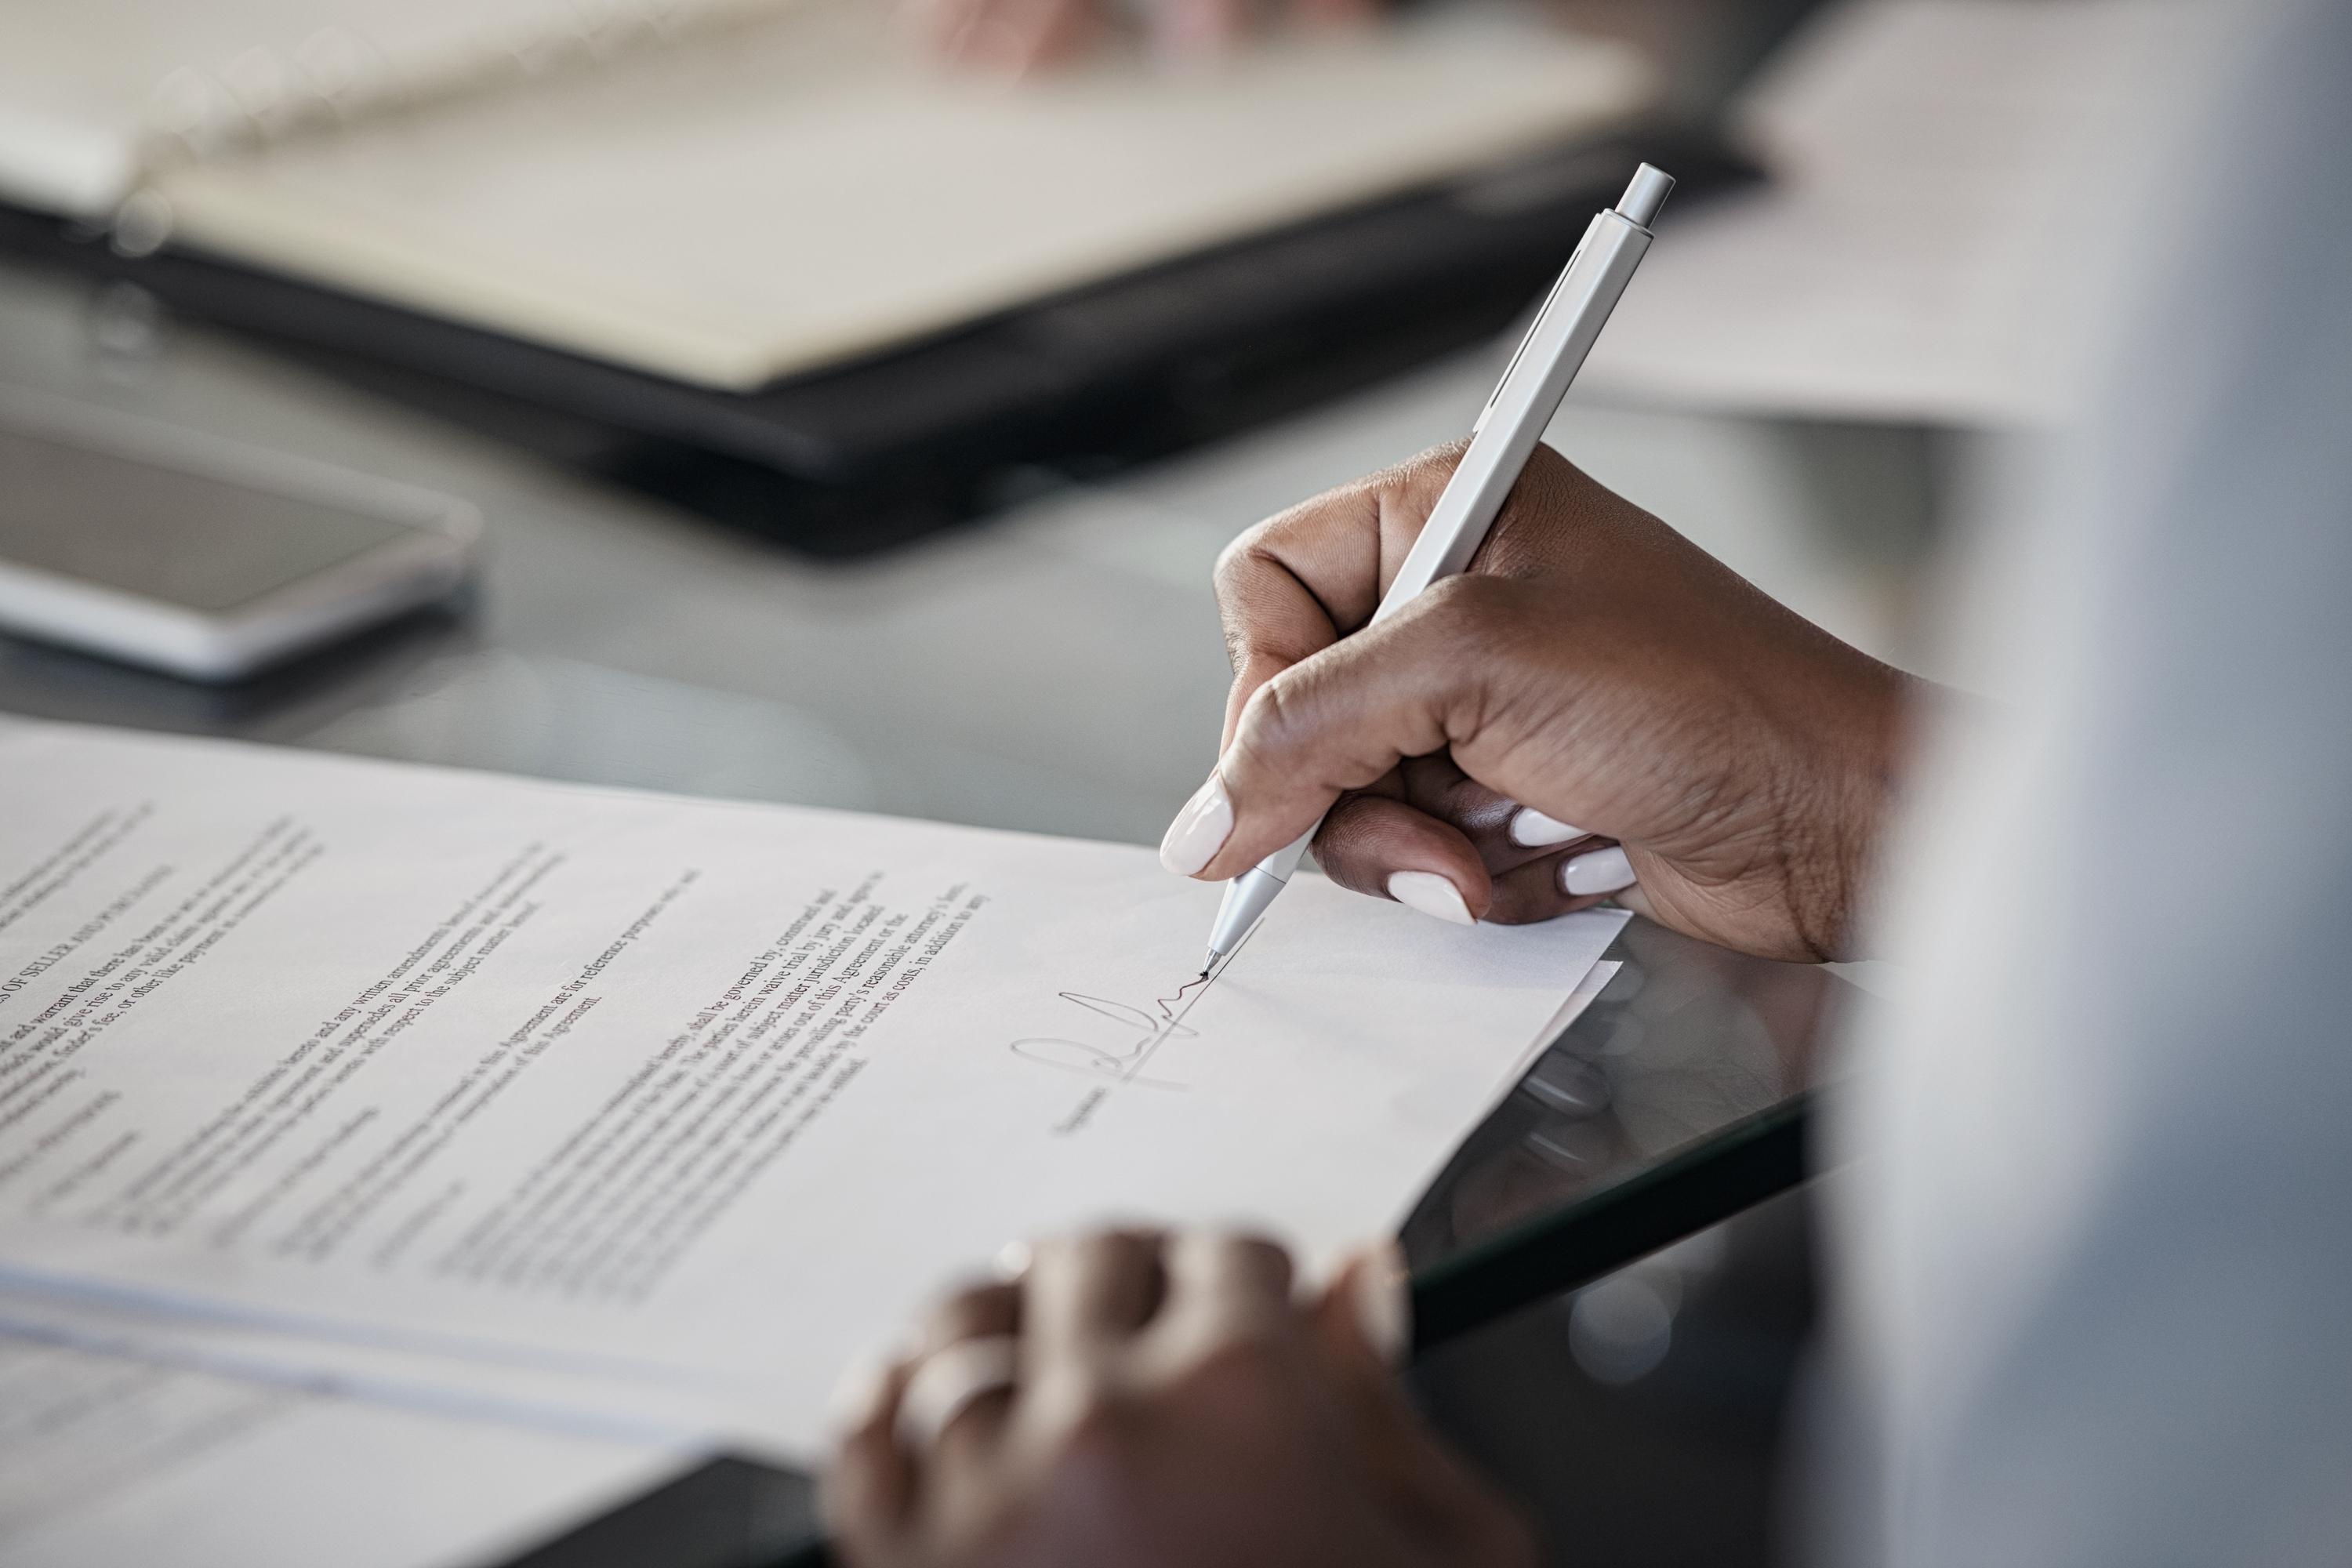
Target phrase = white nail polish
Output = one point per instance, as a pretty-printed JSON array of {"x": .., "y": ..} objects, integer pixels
[
  {"x": 1199, "y": 831},
  {"x": 1598, "y": 871},
  {"x": 1432, "y": 895},
  {"x": 1384, "y": 1303},
  {"x": 1531, "y": 829}
]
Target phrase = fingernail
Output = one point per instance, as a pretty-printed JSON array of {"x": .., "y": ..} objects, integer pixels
[
  {"x": 1199, "y": 831},
  {"x": 1432, "y": 895},
  {"x": 1599, "y": 871},
  {"x": 1532, "y": 830},
  {"x": 1382, "y": 1301},
  {"x": 1012, "y": 1260}
]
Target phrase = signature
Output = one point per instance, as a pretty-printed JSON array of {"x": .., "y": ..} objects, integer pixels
[{"x": 1120, "y": 1038}]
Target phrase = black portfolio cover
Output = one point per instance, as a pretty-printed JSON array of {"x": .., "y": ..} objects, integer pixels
[{"x": 855, "y": 457}]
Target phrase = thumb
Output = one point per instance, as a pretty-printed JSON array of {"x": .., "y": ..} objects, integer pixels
[
  {"x": 1341, "y": 717},
  {"x": 1364, "y": 1317}
]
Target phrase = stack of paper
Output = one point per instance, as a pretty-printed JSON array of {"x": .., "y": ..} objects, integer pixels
[
  {"x": 114, "y": 1459},
  {"x": 635, "y": 1118}
]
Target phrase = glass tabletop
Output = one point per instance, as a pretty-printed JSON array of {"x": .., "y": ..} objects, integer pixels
[{"x": 1678, "y": 1097}]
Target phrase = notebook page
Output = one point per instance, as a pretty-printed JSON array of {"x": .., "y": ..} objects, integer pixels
[
  {"x": 87, "y": 88},
  {"x": 810, "y": 191}
]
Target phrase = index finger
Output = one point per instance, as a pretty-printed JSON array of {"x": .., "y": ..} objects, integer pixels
[
  {"x": 1222, "y": 1289},
  {"x": 1303, "y": 579}
]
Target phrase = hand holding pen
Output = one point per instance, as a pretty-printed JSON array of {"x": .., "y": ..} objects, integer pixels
[{"x": 1592, "y": 668}]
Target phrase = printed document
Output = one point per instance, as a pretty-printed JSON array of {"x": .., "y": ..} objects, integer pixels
[
  {"x": 112, "y": 1459},
  {"x": 699, "y": 1097}
]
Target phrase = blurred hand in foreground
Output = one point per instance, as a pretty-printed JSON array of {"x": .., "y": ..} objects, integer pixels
[
  {"x": 1596, "y": 708},
  {"x": 1023, "y": 36},
  {"x": 1158, "y": 1402}
]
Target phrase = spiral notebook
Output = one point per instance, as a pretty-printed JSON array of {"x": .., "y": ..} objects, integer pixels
[{"x": 723, "y": 193}]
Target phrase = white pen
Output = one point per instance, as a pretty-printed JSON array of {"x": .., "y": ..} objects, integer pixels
[{"x": 1501, "y": 442}]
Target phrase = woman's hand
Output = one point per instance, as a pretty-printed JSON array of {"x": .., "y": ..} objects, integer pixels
[
  {"x": 1592, "y": 668},
  {"x": 1147, "y": 1400},
  {"x": 1023, "y": 36}
]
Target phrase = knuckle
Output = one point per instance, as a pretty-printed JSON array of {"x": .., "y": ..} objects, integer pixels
[
  {"x": 1247, "y": 552},
  {"x": 1477, "y": 614},
  {"x": 1259, "y": 548},
  {"x": 1468, "y": 595},
  {"x": 1275, "y": 720},
  {"x": 1245, "y": 1268},
  {"x": 1261, "y": 1259},
  {"x": 1246, "y": 1373},
  {"x": 1259, "y": 1250},
  {"x": 1123, "y": 1246},
  {"x": 1424, "y": 471},
  {"x": 969, "y": 1309}
]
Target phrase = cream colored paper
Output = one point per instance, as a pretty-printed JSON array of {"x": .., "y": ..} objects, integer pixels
[
  {"x": 93, "y": 92},
  {"x": 700, "y": 1096},
  {"x": 770, "y": 200}
]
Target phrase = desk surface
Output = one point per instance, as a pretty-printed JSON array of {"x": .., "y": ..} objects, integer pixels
[{"x": 1057, "y": 667}]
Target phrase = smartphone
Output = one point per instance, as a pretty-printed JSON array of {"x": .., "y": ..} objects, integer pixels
[{"x": 201, "y": 557}]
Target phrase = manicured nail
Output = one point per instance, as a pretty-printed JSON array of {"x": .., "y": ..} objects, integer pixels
[
  {"x": 1432, "y": 895},
  {"x": 1382, "y": 1301},
  {"x": 1012, "y": 1260},
  {"x": 1532, "y": 830},
  {"x": 1599, "y": 871},
  {"x": 1199, "y": 831}
]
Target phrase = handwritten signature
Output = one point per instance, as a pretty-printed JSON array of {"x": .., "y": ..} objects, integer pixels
[{"x": 1121, "y": 1039}]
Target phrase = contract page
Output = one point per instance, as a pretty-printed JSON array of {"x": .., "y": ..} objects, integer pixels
[
  {"x": 700, "y": 1096},
  {"x": 109, "y": 1458}
]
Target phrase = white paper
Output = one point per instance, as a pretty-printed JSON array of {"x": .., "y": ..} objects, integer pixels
[
  {"x": 700, "y": 1096},
  {"x": 1952, "y": 186},
  {"x": 763, "y": 202},
  {"x": 110, "y": 1459},
  {"x": 92, "y": 89},
  {"x": 633, "y": 1409}
]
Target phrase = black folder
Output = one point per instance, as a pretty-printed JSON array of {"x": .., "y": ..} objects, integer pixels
[{"x": 859, "y": 456}]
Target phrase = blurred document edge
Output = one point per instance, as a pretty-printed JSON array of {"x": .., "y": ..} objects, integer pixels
[
  {"x": 1952, "y": 187},
  {"x": 113, "y": 1458}
]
